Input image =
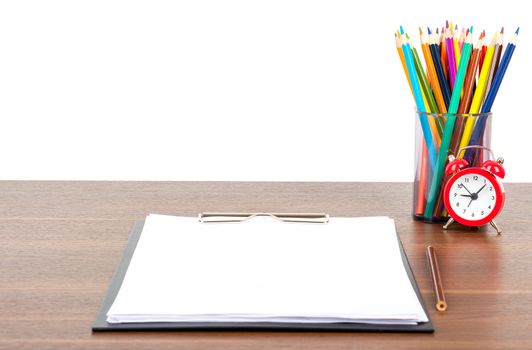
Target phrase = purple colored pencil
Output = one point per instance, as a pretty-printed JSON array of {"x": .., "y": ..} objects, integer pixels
[{"x": 451, "y": 59}]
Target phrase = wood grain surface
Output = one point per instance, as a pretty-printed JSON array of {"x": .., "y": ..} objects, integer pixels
[{"x": 60, "y": 243}]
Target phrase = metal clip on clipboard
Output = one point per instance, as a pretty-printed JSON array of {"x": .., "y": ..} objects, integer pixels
[{"x": 312, "y": 218}]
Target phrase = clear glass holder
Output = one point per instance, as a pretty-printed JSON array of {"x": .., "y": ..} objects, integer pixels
[{"x": 435, "y": 133}]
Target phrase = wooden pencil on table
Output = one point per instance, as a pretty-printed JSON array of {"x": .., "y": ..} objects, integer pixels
[{"x": 441, "y": 303}]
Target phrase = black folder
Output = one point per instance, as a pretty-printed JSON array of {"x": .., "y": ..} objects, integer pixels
[{"x": 100, "y": 324}]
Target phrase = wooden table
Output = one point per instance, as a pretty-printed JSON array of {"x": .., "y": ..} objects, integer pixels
[{"x": 60, "y": 243}]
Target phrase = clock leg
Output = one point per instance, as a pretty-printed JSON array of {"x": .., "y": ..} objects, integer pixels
[
  {"x": 446, "y": 226},
  {"x": 492, "y": 223}
]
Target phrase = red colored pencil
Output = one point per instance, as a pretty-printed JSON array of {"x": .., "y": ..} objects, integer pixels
[
  {"x": 422, "y": 183},
  {"x": 443, "y": 54},
  {"x": 482, "y": 52}
]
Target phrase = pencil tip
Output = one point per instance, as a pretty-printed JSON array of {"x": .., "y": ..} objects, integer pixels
[
  {"x": 456, "y": 27},
  {"x": 428, "y": 30},
  {"x": 401, "y": 29},
  {"x": 446, "y": 24},
  {"x": 502, "y": 30},
  {"x": 517, "y": 31},
  {"x": 471, "y": 30},
  {"x": 437, "y": 30},
  {"x": 420, "y": 31}
]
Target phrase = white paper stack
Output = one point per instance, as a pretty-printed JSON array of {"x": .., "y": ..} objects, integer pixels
[{"x": 262, "y": 270}]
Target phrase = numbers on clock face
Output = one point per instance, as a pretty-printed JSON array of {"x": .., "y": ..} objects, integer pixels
[{"x": 472, "y": 197}]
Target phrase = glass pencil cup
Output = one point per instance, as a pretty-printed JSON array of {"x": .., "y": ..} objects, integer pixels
[{"x": 436, "y": 133}]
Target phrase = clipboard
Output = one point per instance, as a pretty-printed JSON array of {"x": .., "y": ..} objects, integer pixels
[{"x": 101, "y": 325}]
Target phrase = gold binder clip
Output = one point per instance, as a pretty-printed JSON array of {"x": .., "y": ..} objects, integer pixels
[{"x": 313, "y": 218}]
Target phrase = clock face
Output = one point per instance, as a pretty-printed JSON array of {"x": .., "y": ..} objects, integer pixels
[{"x": 473, "y": 197}]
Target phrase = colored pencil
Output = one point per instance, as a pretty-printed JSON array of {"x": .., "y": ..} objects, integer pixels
[
  {"x": 430, "y": 103},
  {"x": 449, "y": 127},
  {"x": 422, "y": 170},
  {"x": 451, "y": 60},
  {"x": 419, "y": 100},
  {"x": 482, "y": 55},
  {"x": 459, "y": 81},
  {"x": 434, "y": 82},
  {"x": 478, "y": 132},
  {"x": 402, "y": 58},
  {"x": 465, "y": 102},
  {"x": 439, "y": 70},
  {"x": 478, "y": 95},
  {"x": 443, "y": 53},
  {"x": 462, "y": 38},
  {"x": 422, "y": 183},
  {"x": 495, "y": 61},
  {"x": 462, "y": 108},
  {"x": 456, "y": 46}
]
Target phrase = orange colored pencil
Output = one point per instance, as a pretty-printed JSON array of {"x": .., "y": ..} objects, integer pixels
[{"x": 402, "y": 58}]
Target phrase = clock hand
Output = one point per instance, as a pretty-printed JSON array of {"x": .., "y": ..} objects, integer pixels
[
  {"x": 480, "y": 189},
  {"x": 466, "y": 195},
  {"x": 470, "y": 202},
  {"x": 466, "y": 189}
]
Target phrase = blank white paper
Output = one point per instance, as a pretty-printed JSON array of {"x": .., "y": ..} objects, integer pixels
[{"x": 263, "y": 270}]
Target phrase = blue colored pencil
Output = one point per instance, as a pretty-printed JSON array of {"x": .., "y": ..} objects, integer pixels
[
  {"x": 436, "y": 58},
  {"x": 478, "y": 131},
  {"x": 407, "y": 51}
]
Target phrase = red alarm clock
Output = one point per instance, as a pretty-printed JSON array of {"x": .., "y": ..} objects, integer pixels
[{"x": 474, "y": 196}]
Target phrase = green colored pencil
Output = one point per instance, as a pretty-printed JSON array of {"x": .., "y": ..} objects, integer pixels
[{"x": 427, "y": 90}]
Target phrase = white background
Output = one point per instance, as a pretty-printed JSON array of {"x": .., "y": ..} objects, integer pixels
[{"x": 231, "y": 90}]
